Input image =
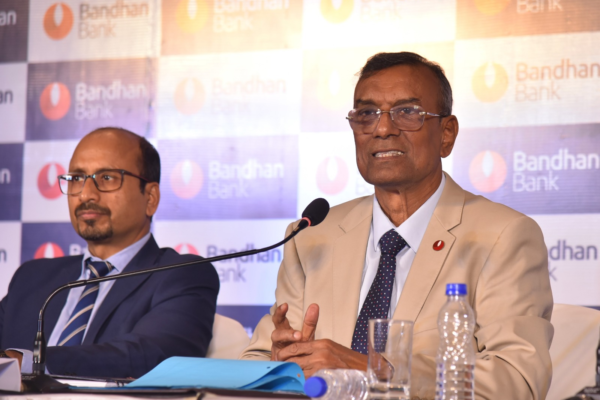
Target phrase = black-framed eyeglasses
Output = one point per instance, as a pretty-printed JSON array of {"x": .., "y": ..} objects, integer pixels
[
  {"x": 406, "y": 118},
  {"x": 106, "y": 180}
]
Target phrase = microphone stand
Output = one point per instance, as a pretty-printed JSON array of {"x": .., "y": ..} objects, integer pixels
[{"x": 39, "y": 382}]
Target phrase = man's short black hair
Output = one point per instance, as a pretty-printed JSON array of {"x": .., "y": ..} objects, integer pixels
[
  {"x": 149, "y": 162},
  {"x": 381, "y": 61}
]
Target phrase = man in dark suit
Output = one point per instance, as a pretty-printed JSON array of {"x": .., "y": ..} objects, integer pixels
[{"x": 121, "y": 328}]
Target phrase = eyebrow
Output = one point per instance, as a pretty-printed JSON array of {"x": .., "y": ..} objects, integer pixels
[
  {"x": 400, "y": 102},
  {"x": 81, "y": 171}
]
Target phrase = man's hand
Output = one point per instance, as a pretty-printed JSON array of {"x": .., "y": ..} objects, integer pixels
[
  {"x": 324, "y": 353},
  {"x": 15, "y": 354},
  {"x": 284, "y": 334},
  {"x": 302, "y": 348}
]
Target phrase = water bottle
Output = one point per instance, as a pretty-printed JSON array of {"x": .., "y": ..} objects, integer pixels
[
  {"x": 328, "y": 384},
  {"x": 456, "y": 355}
]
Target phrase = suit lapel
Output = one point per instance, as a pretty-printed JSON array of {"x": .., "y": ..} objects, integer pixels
[
  {"x": 349, "y": 253},
  {"x": 122, "y": 288},
  {"x": 68, "y": 273},
  {"x": 429, "y": 262}
]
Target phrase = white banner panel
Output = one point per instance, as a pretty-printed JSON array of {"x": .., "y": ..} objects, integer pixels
[
  {"x": 42, "y": 198},
  {"x": 356, "y": 23},
  {"x": 573, "y": 258},
  {"x": 91, "y": 30},
  {"x": 229, "y": 94},
  {"x": 13, "y": 95},
  {"x": 517, "y": 81},
  {"x": 10, "y": 253}
]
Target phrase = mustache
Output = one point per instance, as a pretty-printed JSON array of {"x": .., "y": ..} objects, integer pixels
[{"x": 92, "y": 207}]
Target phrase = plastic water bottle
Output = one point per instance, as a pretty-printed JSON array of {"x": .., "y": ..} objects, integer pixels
[
  {"x": 456, "y": 355},
  {"x": 336, "y": 384}
]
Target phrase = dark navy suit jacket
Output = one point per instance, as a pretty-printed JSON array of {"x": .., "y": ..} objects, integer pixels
[{"x": 142, "y": 321}]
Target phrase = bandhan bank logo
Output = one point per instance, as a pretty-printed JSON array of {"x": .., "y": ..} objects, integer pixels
[
  {"x": 58, "y": 21},
  {"x": 491, "y": 7},
  {"x": 336, "y": 11},
  {"x": 332, "y": 91},
  {"x": 189, "y": 96},
  {"x": 55, "y": 101},
  {"x": 48, "y": 180},
  {"x": 490, "y": 82},
  {"x": 332, "y": 175},
  {"x": 187, "y": 179},
  {"x": 48, "y": 250},
  {"x": 191, "y": 15},
  {"x": 487, "y": 171},
  {"x": 186, "y": 248}
]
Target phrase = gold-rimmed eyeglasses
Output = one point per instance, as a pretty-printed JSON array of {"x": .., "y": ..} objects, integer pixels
[
  {"x": 406, "y": 118},
  {"x": 106, "y": 180}
]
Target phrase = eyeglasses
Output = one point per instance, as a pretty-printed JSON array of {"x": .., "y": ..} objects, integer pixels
[
  {"x": 107, "y": 180},
  {"x": 406, "y": 118}
]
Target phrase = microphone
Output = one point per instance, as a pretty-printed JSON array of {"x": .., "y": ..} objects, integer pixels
[{"x": 312, "y": 215}]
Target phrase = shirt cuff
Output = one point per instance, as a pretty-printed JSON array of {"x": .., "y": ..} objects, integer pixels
[{"x": 27, "y": 362}]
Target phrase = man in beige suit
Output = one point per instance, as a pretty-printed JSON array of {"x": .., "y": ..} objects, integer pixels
[{"x": 402, "y": 127}]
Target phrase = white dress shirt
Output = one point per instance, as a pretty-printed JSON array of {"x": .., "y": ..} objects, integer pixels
[
  {"x": 412, "y": 230},
  {"x": 119, "y": 261}
]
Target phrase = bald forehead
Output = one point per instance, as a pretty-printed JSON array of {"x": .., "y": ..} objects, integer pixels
[{"x": 110, "y": 144}]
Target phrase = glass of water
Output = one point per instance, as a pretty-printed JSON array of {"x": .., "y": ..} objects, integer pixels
[{"x": 390, "y": 356}]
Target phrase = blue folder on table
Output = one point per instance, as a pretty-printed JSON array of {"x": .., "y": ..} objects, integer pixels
[{"x": 190, "y": 372}]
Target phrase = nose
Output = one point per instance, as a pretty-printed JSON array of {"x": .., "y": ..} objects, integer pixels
[
  {"x": 385, "y": 126},
  {"x": 89, "y": 191}
]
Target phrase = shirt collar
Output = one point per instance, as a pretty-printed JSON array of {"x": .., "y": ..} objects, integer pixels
[
  {"x": 119, "y": 260},
  {"x": 413, "y": 229}
]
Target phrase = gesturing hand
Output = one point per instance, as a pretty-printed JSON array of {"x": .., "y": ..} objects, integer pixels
[{"x": 284, "y": 334}]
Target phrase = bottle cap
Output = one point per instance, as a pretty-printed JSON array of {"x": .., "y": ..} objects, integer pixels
[
  {"x": 315, "y": 386},
  {"x": 453, "y": 289}
]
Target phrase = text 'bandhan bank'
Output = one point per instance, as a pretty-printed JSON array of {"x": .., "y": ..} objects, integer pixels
[
  {"x": 547, "y": 164},
  {"x": 240, "y": 174},
  {"x": 97, "y": 21},
  {"x": 94, "y": 101},
  {"x": 541, "y": 82}
]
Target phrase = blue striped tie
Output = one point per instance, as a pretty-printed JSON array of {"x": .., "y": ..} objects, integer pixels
[
  {"x": 377, "y": 303},
  {"x": 74, "y": 330}
]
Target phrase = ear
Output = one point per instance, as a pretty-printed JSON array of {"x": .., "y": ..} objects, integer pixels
[
  {"x": 152, "y": 193},
  {"x": 449, "y": 134}
]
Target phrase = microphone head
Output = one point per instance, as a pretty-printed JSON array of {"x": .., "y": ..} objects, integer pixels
[{"x": 316, "y": 211}]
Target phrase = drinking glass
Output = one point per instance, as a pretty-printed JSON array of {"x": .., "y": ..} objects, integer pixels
[{"x": 390, "y": 356}]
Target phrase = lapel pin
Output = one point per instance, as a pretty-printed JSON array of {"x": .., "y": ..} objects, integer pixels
[{"x": 437, "y": 246}]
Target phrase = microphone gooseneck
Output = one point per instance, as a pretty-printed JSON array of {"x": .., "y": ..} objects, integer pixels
[{"x": 313, "y": 215}]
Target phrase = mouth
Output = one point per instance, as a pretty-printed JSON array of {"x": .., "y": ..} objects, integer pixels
[
  {"x": 389, "y": 153},
  {"x": 88, "y": 214}
]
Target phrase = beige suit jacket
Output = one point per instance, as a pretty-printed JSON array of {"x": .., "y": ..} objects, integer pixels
[{"x": 499, "y": 253}]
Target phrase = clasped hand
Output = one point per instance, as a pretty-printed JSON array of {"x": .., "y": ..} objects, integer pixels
[{"x": 302, "y": 348}]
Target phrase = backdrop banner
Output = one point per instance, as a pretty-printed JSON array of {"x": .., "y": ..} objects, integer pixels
[{"x": 246, "y": 102}]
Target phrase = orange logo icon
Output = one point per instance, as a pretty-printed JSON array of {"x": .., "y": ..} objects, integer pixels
[
  {"x": 487, "y": 171},
  {"x": 58, "y": 21},
  {"x": 186, "y": 248},
  {"x": 336, "y": 11},
  {"x": 48, "y": 180},
  {"x": 55, "y": 101},
  {"x": 191, "y": 15},
  {"x": 189, "y": 96},
  {"x": 490, "y": 82},
  {"x": 491, "y": 7},
  {"x": 332, "y": 92},
  {"x": 332, "y": 175},
  {"x": 187, "y": 179},
  {"x": 48, "y": 250}
]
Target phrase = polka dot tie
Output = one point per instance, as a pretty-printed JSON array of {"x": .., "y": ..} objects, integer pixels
[{"x": 377, "y": 303}]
